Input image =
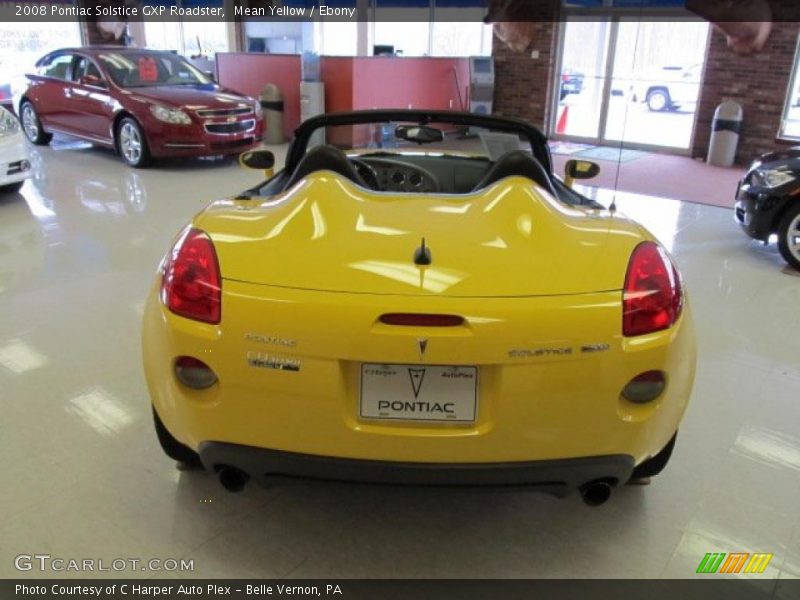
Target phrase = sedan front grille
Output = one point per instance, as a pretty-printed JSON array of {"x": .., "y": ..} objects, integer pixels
[
  {"x": 231, "y": 128},
  {"x": 223, "y": 112}
]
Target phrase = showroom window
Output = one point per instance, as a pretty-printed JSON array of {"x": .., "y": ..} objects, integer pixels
[
  {"x": 407, "y": 28},
  {"x": 188, "y": 38},
  {"x": 625, "y": 81},
  {"x": 22, "y": 44},
  {"x": 790, "y": 124}
]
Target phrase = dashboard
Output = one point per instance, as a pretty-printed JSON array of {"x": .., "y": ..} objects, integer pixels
[{"x": 394, "y": 175}]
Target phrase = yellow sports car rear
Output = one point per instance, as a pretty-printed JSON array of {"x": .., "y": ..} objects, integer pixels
[{"x": 327, "y": 327}]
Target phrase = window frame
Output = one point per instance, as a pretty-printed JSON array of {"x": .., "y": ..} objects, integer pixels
[{"x": 48, "y": 63}]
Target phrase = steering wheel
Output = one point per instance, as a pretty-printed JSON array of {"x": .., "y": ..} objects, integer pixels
[{"x": 367, "y": 174}]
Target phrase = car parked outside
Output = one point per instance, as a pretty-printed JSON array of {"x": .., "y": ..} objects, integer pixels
[{"x": 670, "y": 88}]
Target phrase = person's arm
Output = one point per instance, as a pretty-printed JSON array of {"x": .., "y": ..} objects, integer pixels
[{"x": 746, "y": 23}]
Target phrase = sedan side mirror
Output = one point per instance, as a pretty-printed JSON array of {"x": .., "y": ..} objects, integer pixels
[
  {"x": 263, "y": 160},
  {"x": 580, "y": 169}
]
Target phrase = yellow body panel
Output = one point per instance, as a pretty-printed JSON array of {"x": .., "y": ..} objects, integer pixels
[{"x": 555, "y": 285}]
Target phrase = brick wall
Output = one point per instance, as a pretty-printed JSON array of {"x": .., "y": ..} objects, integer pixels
[
  {"x": 757, "y": 82},
  {"x": 523, "y": 84}
]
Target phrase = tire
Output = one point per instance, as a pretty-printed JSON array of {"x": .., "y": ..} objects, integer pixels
[
  {"x": 789, "y": 236},
  {"x": 655, "y": 464},
  {"x": 658, "y": 100},
  {"x": 11, "y": 188},
  {"x": 131, "y": 143},
  {"x": 173, "y": 448},
  {"x": 32, "y": 126}
]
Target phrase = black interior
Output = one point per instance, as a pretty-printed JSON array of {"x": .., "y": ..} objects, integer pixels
[
  {"x": 325, "y": 158},
  {"x": 517, "y": 164}
]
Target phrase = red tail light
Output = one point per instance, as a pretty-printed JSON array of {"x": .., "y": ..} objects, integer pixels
[
  {"x": 191, "y": 284},
  {"x": 653, "y": 298}
]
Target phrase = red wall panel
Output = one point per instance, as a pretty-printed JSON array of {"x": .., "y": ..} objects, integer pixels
[
  {"x": 389, "y": 82},
  {"x": 351, "y": 83},
  {"x": 249, "y": 73}
]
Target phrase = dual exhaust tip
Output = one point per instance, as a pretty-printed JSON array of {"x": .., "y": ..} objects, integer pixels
[{"x": 593, "y": 493}]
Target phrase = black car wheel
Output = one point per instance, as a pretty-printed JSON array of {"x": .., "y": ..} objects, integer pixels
[
  {"x": 131, "y": 143},
  {"x": 655, "y": 464},
  {"x": 32, "y": 126},
  {"x": 789, "y": 236},
  {"x": 173, "y": 448},
  {"x": 11, "y": 188},
  {"x": 658, "y": 100}
]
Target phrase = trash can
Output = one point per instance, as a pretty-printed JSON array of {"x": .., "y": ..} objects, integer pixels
[
  {"x": 725, "y": 130},
  {"x": 272, "y": 104}
]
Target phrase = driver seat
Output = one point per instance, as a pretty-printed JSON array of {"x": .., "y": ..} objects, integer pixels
[
  {"x": 325, "y": 158},
  {"x": 517, "y": 164}
]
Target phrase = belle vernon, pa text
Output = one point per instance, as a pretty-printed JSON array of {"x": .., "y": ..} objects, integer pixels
[{"x": 155, "y": 591}]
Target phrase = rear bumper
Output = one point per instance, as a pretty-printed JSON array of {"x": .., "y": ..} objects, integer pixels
[{"x": 556, "y": 477}]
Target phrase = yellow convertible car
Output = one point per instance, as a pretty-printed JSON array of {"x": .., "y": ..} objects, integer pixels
[{"x": 416, "y": 299}]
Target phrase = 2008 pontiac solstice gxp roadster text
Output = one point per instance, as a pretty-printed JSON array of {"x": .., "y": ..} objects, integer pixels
[{"x": 416, "y": 299}]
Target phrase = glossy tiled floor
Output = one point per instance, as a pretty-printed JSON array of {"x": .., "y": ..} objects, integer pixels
[{"x": 83, "y": 476}]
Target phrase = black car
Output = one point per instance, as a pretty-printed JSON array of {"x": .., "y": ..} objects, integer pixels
[
  {"x": 768, "y": 201},
  {"x": 571, "y": 83}
]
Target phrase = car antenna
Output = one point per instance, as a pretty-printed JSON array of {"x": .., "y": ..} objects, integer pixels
[{"x": 422, "y": 255}]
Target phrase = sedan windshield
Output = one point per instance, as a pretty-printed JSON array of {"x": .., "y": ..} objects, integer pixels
[{"x": 145, "y": 69}]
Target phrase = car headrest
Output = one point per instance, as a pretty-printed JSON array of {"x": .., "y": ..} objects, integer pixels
[
  {"x": 517, "y": 164},
  {"x": 324, "y": 158}
]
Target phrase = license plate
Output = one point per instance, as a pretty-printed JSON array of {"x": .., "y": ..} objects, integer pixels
[{"x": 419, "y": 393}]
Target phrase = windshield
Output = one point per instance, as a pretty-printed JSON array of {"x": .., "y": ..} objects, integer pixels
[
  {"x": 397, "y": 137},
  {"x": 419, "y": 132},
  {"x": 140, "y": 69}
]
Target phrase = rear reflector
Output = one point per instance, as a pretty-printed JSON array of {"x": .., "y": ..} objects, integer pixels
[
  {"x": 194, "y": 373},
  {"x": 645, "y": 387},
  {"x": 421, "y": 320}
]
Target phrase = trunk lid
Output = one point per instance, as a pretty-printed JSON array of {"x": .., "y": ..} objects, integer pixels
[{"x": 508, "y": 240}]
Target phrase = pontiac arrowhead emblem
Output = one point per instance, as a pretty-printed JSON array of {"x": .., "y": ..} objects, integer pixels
[
  {"x": 417, "y": 375},
  {"x": 422, "y": 344}
]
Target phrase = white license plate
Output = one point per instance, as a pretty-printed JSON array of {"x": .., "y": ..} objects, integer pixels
[{"x": 419, "y": 393}]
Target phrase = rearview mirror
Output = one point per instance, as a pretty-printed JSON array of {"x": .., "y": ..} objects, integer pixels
[
  {"x": 580, "y": 169},
  {"x": 421, "y": 134},
  {"x": 263, "y": 160}
]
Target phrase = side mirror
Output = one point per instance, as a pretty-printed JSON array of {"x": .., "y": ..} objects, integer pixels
[
  {"x": 263, "y": 160},
  {"x": 580, "y": 169},
  {"x": 92, "y": 80}
]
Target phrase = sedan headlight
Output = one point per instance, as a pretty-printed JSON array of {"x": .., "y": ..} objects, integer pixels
[
  {"x": 774, "y": 178},
  {"x": 257, "y": 108},
  {"x": 9, "y": 124},
  {"x": 170, "y": 115}
]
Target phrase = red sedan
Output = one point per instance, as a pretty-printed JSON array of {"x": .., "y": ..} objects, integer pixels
[{"x": 143, "y": 103}]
